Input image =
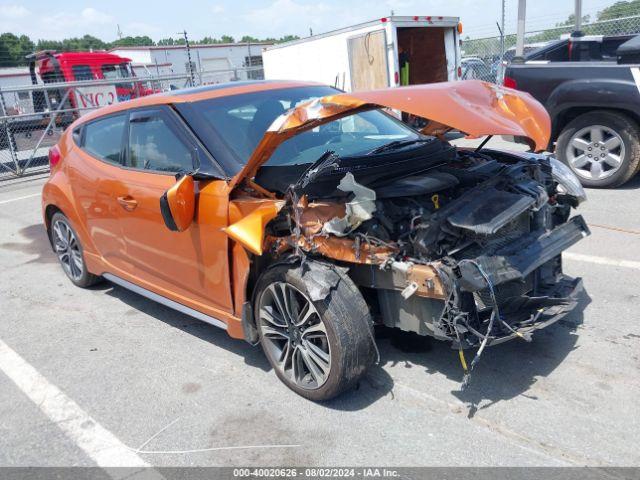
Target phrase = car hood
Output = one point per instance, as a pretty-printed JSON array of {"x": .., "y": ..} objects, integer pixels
[{"x": 474, "y": 107}]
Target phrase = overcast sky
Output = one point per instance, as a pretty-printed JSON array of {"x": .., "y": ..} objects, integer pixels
[{"x": 260, "y": 18}]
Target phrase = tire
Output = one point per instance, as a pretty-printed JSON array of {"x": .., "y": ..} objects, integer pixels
[
  {"x": 68, "y": 249},
  {"x": 615, "y": 151},
  {"x": 340, "y": 325}
]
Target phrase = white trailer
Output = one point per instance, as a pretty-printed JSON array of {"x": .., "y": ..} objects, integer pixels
[{"x": 370, "y": 55}]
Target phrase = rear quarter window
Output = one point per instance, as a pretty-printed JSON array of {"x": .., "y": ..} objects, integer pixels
[{"x": 103, "y": 138}]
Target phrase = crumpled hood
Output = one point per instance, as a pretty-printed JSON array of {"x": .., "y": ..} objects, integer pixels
[{"x": 474, "y": 107}]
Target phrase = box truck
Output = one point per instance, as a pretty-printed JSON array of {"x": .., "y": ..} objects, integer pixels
[{"x": 389, "y": 51}]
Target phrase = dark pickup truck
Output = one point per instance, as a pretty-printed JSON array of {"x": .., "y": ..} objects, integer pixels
[{"x": 590, "y": 85}]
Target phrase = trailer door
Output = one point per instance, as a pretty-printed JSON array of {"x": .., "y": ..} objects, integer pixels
[
  {"x": 452, "y": 51},
  {"x": 368, "y": 61}
]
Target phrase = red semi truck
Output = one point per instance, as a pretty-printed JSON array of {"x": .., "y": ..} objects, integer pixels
[
  {"x": 33, "y": 109},
  {"x": 54, "y": 67}
]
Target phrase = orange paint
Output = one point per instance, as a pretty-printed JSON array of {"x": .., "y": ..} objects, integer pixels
[{"x": 116, "y": 213}]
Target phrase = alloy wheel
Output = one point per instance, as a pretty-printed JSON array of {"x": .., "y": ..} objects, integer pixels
[
  {"x": 595, "y": 152},
  {"x": 68, "y": 249},
  {"x": 294, "y": 335}
]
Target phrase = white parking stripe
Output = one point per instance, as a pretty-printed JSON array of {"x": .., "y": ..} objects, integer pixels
[
  {"x": 19, "y": 198},
  {"x": 95, "y": 440},
  {"x": 602, "y": 260}
]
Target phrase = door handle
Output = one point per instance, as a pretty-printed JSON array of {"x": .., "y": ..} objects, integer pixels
[{"x": 128, "y": 203}]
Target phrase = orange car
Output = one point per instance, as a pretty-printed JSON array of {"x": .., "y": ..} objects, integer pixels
[{"x": 299, "y": 217}]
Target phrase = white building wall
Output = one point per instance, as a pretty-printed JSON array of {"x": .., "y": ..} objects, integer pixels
[{"x": 206, "y": 58}]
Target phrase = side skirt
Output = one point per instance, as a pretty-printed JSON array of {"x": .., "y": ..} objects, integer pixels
[{"x": 165, "y": 301}]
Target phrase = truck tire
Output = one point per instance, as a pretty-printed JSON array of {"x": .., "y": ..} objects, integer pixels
[
  {"x": 601, "y": 147},
  {"x": 320, "y": 348}
]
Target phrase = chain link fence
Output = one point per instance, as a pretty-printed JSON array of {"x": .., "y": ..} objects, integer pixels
[
  {"x": 482, "y": 58},
  {"x": 33, "y": 117}
]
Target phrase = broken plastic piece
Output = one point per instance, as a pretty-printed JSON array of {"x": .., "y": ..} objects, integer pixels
[
  {"x": 409, "y": 290},
  {"x": 358, "y": 210}
]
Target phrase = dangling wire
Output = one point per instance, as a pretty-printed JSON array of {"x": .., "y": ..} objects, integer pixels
[{"x": 494, "y": 313}]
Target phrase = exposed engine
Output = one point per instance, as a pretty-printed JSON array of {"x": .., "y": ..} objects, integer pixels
[{"x": 466, "y": 249}]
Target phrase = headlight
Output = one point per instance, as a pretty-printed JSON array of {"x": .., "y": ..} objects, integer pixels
[{"x": 568, "y": 183}]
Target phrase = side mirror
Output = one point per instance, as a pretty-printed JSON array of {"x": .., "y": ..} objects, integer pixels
[{"x": 178, "y": 204}]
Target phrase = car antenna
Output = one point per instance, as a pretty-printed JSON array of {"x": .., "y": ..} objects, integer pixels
[{"x": 484, "y": 142}]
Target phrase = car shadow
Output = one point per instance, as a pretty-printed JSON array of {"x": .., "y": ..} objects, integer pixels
[
  {"x": 632, "y": 184},
  {"x": 369, "y": 390},
  {"x": 504, "y": 371}
]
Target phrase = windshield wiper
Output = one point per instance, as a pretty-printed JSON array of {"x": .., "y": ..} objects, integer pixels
[
  {"x": 329, "y": 160},
  {"x": 395, "y": 145}
]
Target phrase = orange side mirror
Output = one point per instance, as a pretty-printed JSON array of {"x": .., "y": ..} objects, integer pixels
[{"x": 178, "y": 204}]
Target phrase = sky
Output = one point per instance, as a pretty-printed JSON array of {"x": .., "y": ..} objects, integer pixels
[{"x": 46, "y": 19}]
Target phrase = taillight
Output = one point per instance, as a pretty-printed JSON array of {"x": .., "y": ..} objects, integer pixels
[
  {"x": 459, "y": 72},
  {"x": 396, "y": 78},
  {"x": 54, "y": 156},
  {"x": 509, "y": 82}
]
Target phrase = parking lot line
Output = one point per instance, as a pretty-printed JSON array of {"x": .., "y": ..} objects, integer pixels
[
  {"x": 2, "y": 202},
  {"x": 97, "y": 442},
  {"x": 602, "y": 260}
]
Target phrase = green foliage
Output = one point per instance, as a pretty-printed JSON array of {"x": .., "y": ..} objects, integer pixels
[
  {"x": 14, "y": 49},
  {"x": 619, "y": 10},
  {"x": 572, "y": 20},
  {"x": 133, "y": 42}
]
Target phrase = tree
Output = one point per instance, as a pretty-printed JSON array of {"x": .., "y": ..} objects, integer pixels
[
  {"x": 15, "y": 49},
  {"x": 138, "y": 41},
  {"x": 620, "y": 9},
  {"x": 5, "y": 56},
  {"x": 572, "y": 20}
]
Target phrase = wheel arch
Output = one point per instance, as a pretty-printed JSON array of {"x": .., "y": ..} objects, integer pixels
[{"x": 564, "y": 117}]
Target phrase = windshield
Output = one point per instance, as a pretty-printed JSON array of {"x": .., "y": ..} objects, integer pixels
[
  {"x": 82, "y": 72},
  {"x": 115, "y": 71},
  {"x": 240, "y": 122}
]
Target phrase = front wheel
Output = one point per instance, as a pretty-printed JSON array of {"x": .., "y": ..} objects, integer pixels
[
  {"x": 317, "y": 348},
  {"x": 601, "y": 147}
]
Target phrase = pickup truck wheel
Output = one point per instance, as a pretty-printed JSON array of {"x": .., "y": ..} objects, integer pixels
[
  {"x": 317, "y": 348},
  {"x": 601, "y": 147}
]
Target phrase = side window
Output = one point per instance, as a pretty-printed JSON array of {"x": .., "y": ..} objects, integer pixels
[
  {"x": 103, "y": 138},
  {"x": 154, "y": 145}
]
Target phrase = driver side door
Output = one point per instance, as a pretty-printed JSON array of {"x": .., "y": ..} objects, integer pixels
[{"x": 190, "y": 267}]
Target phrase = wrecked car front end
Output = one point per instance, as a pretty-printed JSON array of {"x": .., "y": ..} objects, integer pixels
[{"x": 461, "y": 245}]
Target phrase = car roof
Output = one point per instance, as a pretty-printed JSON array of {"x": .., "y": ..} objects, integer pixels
[{"x": 196, "y": 94}]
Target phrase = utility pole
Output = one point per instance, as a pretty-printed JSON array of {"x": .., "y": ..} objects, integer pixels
[
  {"x": 578, "y": 15},
  {"x": 186, "y": 41},
  {"x": 522, "y": 14}
]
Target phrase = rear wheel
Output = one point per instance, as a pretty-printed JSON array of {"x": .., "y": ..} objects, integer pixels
[
  {"x": 602, "y": 148},
  {"x": 69, "y": 251},
  {"x": 318, "y": 349}
]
